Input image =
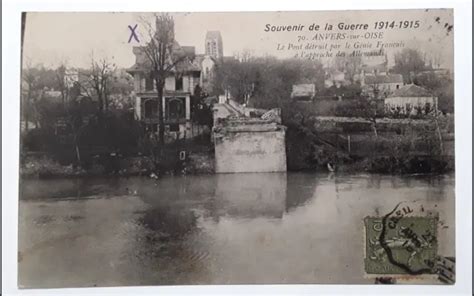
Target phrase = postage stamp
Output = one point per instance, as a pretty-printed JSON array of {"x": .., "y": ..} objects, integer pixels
[{"x": 398, "y": 244}]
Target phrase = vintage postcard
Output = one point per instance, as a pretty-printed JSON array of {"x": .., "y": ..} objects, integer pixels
[{"x": 201, "y": 148}]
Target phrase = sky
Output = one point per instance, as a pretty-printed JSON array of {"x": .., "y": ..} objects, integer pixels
[{"x": 52, "y": 38}]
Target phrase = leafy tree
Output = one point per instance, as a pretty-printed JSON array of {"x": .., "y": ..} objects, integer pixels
[
  {"x": 441, "y": 86},
  {"x": 266, "y": 82}
]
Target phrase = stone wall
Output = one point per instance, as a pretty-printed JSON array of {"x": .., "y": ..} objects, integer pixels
[{"x": 250, "y": 151}]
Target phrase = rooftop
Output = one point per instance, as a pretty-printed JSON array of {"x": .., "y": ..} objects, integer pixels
[
  {"x": 189, "y": 63},
  {"x": 411, "y": 90},
  {"x": 303, "y": 90},
  {"x": 390, "y": 78},
  {"x": 369, "y": 68}
]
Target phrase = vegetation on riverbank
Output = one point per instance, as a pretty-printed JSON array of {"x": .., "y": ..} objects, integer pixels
[
  {"x": 400, "y": 147},
  {"x": 198, "y": 159}
]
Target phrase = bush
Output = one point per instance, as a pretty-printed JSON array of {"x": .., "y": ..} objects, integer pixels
[{"x": 44, "y": 167}]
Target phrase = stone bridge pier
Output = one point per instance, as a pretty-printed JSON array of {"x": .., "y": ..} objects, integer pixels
[{"x": 248, "y": 140}]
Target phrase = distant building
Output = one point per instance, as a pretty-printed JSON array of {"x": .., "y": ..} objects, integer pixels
[
  {"x": 213, "y": 56},
  {"x": 71, "y": 77},
  {"x": 213, "y": 44},
  {"x": 411, "y": 98},
  {"x": 374, "y": 65},
  {"x": 207, "y": 74},
  {"x": 51, "y": 94},
  {"x": 335, "y": 77},
  {"x": 438, "y": 72},
  {"x": 381, "y": 86},
  {"x": 303, "y": 92}
]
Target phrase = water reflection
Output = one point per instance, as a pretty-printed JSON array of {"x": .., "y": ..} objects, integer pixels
[
  {"x": 300, "y": 188},
  {"x": 212, "y": 229},
  {"x": 250, "y": 195}
]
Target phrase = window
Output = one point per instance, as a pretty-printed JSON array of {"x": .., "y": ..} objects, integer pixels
[
  {"x": 179, "y": 82},
  {"x": 174, "y": 127},
  {"x": 149, "y": 83},
  {"x": 176, "y": 109},
  {"x": 151, "y": 108}
]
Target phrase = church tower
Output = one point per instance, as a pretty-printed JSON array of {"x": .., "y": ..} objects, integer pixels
[{"x": 213, "y": 44}]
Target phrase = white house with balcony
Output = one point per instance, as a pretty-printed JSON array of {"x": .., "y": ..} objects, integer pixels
[{"x": 178, "y": 89}]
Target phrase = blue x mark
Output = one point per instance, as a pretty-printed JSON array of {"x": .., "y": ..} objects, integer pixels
[{"x": 133, "y": 34}]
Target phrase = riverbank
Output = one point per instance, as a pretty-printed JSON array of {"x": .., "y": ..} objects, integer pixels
[
  {"x": 203, "y": 163},
  {"x": 388, "y": 146},
  {"x": 43, "y": 166}
]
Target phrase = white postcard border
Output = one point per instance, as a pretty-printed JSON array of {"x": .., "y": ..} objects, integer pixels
[{"x": 10, "y": 136}]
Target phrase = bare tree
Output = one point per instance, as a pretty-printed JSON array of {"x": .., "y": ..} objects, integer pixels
[
  {"x": 97, "y": 80},
  {"x": 63, "y": 87},
  {"x": 245, "y": 55},
  {"x": 29, "y": 92},
  {"x": 163, "y": 55}
]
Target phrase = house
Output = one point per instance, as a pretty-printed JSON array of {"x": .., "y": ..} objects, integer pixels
[
  {"x": 335, "y": 77},
  {"x": 411, "y": 99},
  {"x": 381, "y": 86},
  {"x": 71, "y": 76},
  {"x": 371, "y": 66},
  {"x": 51, "y": 94},
  {"x": 208, "y": 64},
  {"x": 373, "y": 69},
  {"x": 178, "y": 89},
  {"x": 303, "y": 92},
  {"x": 193, "y": 70},
  {"x": 213, "y": 56},
  {"x": 375, "y": 65},
  {"x": 439, "y": 73}
]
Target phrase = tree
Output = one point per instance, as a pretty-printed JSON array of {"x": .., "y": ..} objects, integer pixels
[
  {"x": 163, "y": 56},
  {"x": 121, "y": 83},
  {"x": 60, "y": 74},
  {"x": 370, "y": 111},
  {"x": 409, "y": 62},
  {"x": 30, "y": 85},
  {"x": 97, "y": 81},
  {"x": 266, "y": 81},
  {"x": 441, "y": 86}
]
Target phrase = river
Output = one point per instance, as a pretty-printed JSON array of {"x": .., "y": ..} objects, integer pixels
[{"x": 212, "y": 229}]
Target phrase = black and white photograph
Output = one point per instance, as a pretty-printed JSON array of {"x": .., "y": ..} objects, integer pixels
[{"x": 237, "y": 148}]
